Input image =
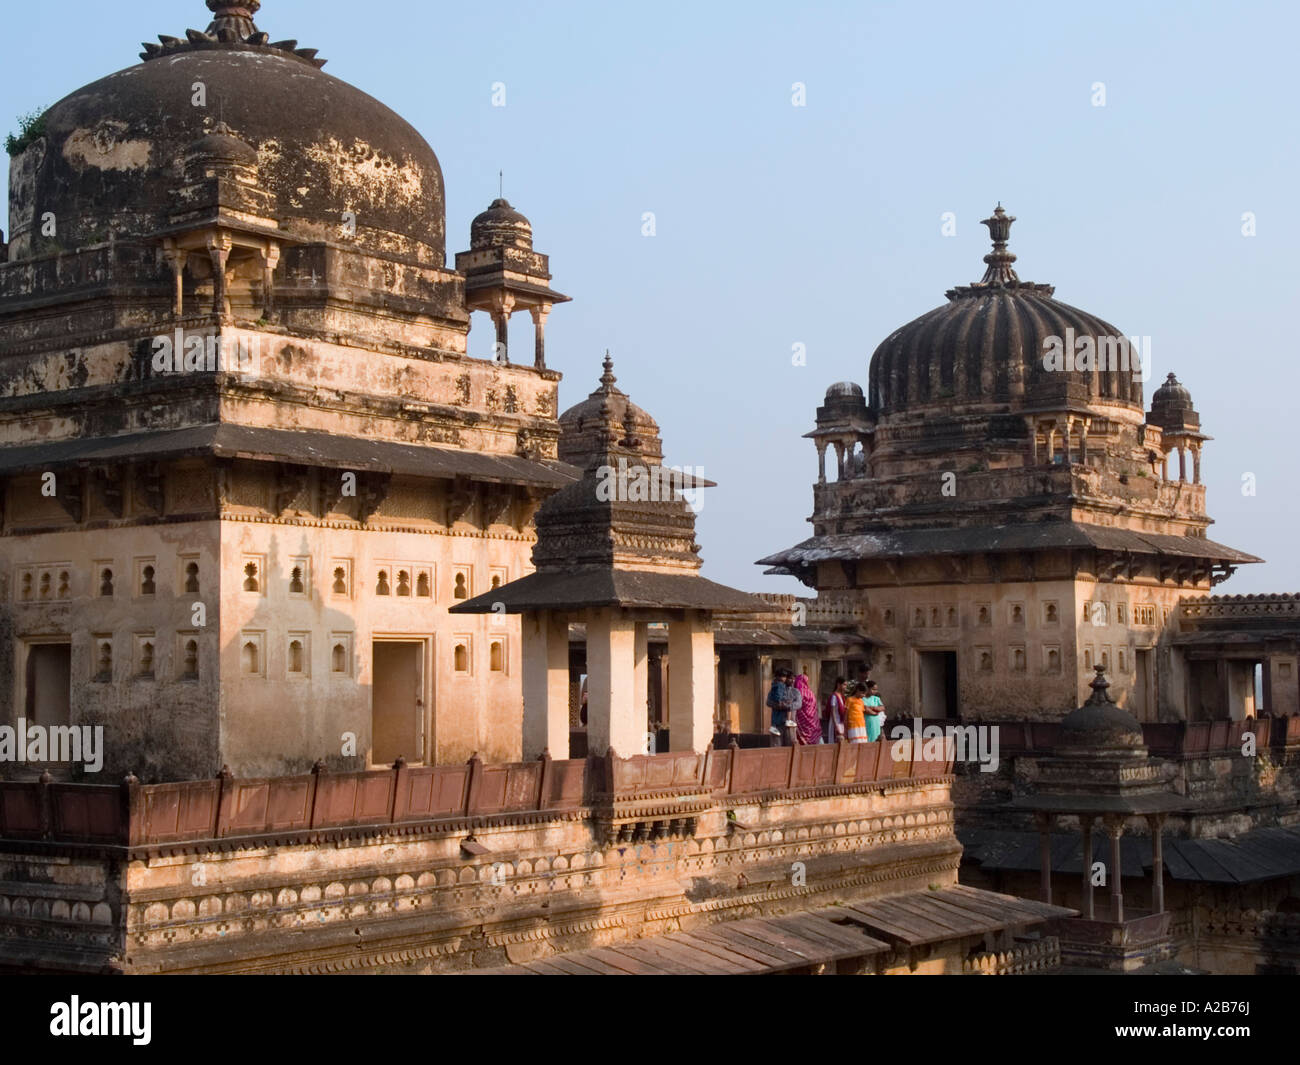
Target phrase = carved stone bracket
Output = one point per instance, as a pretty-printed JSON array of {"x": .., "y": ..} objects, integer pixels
[
  {"x": 372, "y": 490},
  {"x": 108, "y": 487},
  {"x": 532, "y": 499},
  {"x": 459, "y": 500},
  {"x": 149, "y": 485},
  {"x": 290, "y": 484},
  {"x": 70, "y": 494},
  {"x": 496, "y": 503}
]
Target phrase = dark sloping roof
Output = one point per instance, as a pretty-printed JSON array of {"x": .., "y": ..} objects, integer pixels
[
  {"x": 1260, "y": 854},
  {"x": 597, "y": 586},
  {"x": 921, "y": 917},
  {"x": 999, "y": 538},
  {"x": 788, "y": 636},
  {"x": 778, "y": 944},
  {"x": 309, "y": 447},
  {"x": 732, "y": 948}
]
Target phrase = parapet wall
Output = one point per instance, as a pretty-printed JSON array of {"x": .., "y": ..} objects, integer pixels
[{"x": 448, "y": 867}]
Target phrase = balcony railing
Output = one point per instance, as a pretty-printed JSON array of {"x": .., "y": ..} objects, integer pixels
[{"x": 134, "y": 814}]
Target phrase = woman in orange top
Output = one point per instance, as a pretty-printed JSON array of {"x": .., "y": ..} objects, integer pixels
[{"x": 857, "y": 716}]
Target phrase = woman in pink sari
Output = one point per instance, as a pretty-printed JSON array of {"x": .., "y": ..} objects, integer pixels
[{"x": 807, "y": 717}]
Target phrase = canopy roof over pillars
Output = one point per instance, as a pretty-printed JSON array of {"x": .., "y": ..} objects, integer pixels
[{"x": 615, "y": 551}]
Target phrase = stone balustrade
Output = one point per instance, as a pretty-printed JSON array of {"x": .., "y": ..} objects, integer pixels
[
  {"x": 146, "y": 815},
  {"x": 1239, "y": 607},
  {"x": 1032, "y": 956}
]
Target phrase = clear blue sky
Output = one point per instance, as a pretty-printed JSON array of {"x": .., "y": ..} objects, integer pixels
[{"x": 820, "y": 225}]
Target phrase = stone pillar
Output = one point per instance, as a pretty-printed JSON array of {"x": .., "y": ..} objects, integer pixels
[
  {"x": 1157, "y": 823},
  {"x": 270, "y": 259},
  {"x": 219, "y": 251},
  {"x": 1083, "y": 440},
  {"x": 1069, "y": 434},
  {"x": 691, "y": 682},
  {"x": 1049, "y": 432},
  {"x": 502, "y": 322},
  {"x": 539, "y": 335},
  {"x": 546, "y": 684},
  {"x": 839, "y": 459},
  {"x": 1045, "y": 855},
  {"x": 176, "y": 260},
  {"x": 613, "y": 720},
  {"x": 821, "y": 463},
  {"x": 641, "y": 677},
  {"x": 1086, "y": 824},
  {"x": 1182, "y": 463},
  {"x": 1115, "y": 830},
  {"x": 1196, "y": 464}
]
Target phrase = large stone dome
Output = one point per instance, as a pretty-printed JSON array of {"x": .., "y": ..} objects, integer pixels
[
  {"x": 113, "y": 151},
  {"x": 986, "y": 346}
]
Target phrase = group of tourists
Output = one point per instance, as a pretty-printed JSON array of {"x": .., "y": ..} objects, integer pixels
[{"x": 853, "y": 711}]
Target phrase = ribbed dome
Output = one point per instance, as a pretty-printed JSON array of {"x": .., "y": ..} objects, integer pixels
[
  {"x": 986, "y": 345},
  {"x": 843, "y": 389},
  {"x": 222, "y": 144},
  {"x": 1171, "y": 405},
  {"x": 113, "y": 150},
  {"x": 500, "y": 225},
  {"x": 607, "y": 419}
]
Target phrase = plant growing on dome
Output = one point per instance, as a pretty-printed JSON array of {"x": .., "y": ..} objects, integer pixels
[{"x": 31, "y": 128}]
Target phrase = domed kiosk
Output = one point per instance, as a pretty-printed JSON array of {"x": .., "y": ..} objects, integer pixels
[
  {"x": 1101, "y": 769},
  {"x": 1001, "y": 506}
]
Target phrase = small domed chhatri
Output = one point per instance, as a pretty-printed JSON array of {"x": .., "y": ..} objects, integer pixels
[
  {"x": 843, "y": 389},
  {"x": 1100, "y": 723},
  {"x": 607, "y": 421},
  {"x": 1171, "y": 406},
  {"x": 500, "y": 225}
]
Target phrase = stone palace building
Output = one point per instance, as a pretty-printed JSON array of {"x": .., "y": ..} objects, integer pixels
[{"x": 332, "y": 580}]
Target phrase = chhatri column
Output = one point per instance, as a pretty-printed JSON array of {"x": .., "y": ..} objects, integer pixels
[
  {"x": 1115, "y": 829},
  {"x": 641, "y": 678},
  {"x": 175, "y": 258},
  {"x": 1083, "y": 440},
  {"x": 539, "y": 335},
  {"x": 270, "y": 259},
  {"x": 1045, "y": 855},
  {"x": 613, "y": 720},
  {"x": 501, "y": 319},
  {"x": 546, "y": 684},
  {"x": 1196, "y": 464},
  {"x": 1085, "y": 823},
  {"x": 691, "y": 682},
  {"x": 1157, "y": 823},
  {"x": 219, "y": 251},
  {"x": 821, "y": 462}
]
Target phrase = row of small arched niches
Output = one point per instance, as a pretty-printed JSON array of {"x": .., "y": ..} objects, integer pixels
[{"x": 39, "y": 584}]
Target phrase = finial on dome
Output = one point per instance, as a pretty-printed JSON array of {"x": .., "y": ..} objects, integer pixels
[
  {"x": 233, "y": 19},
  {"x": 999, "y": 261},
  {"x": 607, "y": 379},
  {"x": 1099, "y": 696}
]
